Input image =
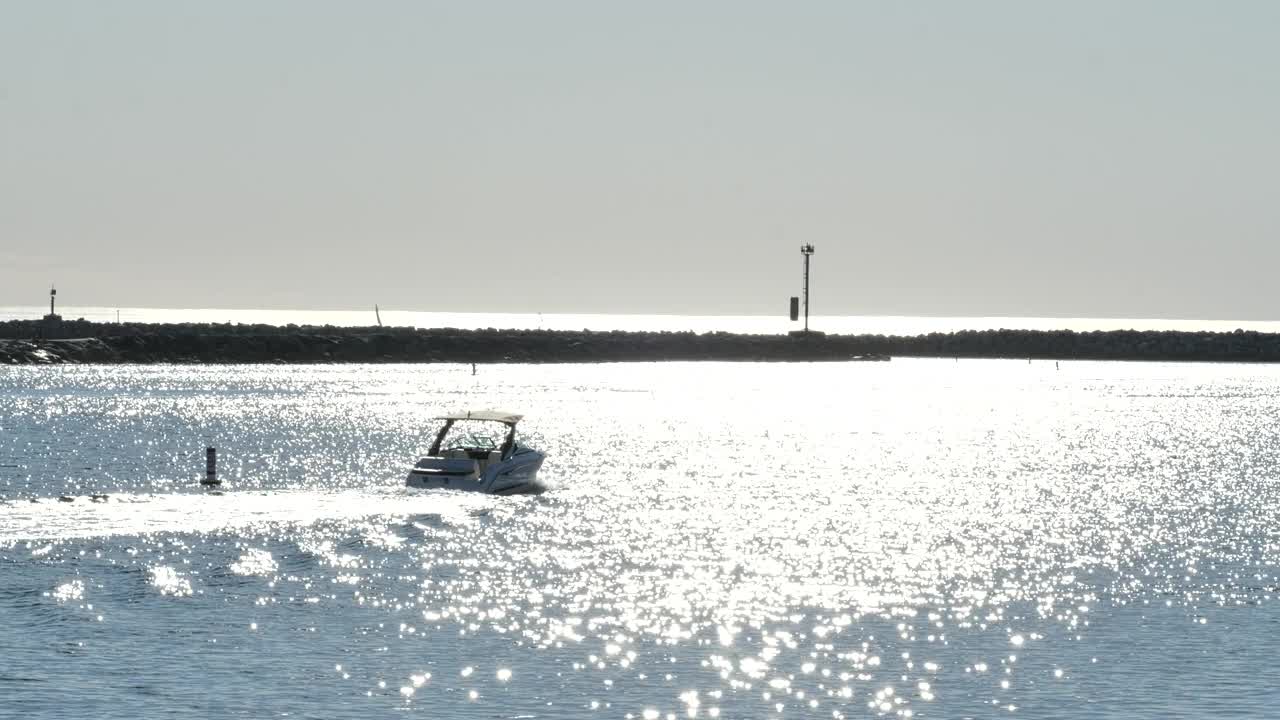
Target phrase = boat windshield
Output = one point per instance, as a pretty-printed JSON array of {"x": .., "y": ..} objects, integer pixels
[{"x": 474, "y": 435}]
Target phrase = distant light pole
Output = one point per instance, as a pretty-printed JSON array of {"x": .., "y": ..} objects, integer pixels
[
  {"x": 51, "y": 325},
  {"x": 806, "y": 250}
]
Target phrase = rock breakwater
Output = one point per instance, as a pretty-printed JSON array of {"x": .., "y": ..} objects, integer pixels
[{"x": 141, "y": 343}]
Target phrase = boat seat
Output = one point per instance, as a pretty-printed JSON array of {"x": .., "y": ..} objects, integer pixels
[{"x": 495, "y": 456}]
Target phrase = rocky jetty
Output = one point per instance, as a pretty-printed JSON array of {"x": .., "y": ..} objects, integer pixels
[
  {"x": 52, "y": 352},
  {"x": 191, "y": 343}
]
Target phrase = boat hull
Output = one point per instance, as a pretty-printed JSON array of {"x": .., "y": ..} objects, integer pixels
[{"x": 515, "y": 476}]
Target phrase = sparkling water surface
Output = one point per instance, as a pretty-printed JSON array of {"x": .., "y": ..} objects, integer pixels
[{"x": 920, "y": 538}]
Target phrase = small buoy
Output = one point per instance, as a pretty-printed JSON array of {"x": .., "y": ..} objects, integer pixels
[
  {"x": 210, "y": 467},
  {"x": 66, "y": 498}
]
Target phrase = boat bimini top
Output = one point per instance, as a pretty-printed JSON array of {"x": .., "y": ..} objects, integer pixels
[
  {"x": 497, "y": 416},
  {"x": 505, "y": 418}
]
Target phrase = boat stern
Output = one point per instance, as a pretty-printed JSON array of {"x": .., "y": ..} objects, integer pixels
[{"x": 439, "y": 472}]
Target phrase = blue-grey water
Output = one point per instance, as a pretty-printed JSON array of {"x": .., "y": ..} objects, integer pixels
[{"x": 920, "y": 538}]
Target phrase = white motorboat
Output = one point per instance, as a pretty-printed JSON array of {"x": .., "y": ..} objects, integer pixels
[{"x": 477, "y": 450}]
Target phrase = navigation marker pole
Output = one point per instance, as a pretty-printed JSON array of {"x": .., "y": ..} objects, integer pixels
[
  {"x": 807, "y": 251},
  {"x": 210, "y": 467}
]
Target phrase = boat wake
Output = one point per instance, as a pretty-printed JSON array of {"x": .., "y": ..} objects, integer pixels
[{"x": 84, "y": 517}]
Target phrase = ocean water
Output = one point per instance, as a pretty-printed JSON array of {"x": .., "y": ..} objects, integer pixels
[
  {"x": 919, "y": 538},
  {"x": 758, "y": 324}
]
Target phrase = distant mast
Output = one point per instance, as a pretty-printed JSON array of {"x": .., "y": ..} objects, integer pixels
[{"x": 377, "y": 315}]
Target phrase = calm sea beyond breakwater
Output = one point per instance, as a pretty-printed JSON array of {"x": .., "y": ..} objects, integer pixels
[{"x": 31, "y": 342}]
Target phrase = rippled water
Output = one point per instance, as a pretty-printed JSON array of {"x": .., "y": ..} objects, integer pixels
[{"x": 915, "y": 538}]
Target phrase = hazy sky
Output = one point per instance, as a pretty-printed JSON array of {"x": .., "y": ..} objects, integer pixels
[{"x": 1115, "y": 158}]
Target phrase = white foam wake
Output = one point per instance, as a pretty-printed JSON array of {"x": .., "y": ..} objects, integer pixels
[{"x": 50, "y": 519}]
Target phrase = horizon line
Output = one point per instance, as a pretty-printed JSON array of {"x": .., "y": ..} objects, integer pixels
[{"x": 39, "y": 309}]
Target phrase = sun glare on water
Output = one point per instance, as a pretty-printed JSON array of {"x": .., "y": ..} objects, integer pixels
[{"x": 907, "y": 539}]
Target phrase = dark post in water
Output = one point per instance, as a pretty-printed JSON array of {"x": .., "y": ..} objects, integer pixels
[{"x": 210, "y": 467}]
